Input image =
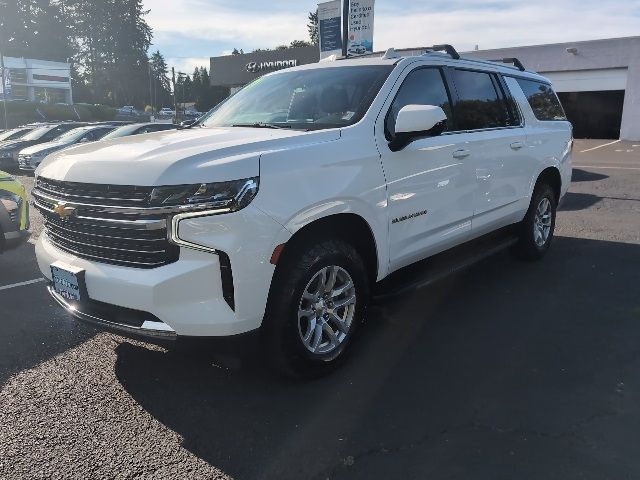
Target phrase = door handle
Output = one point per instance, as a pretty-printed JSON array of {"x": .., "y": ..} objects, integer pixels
[
  {"x": 517, "y": 145},
  {"x": 461, "y": 153}
]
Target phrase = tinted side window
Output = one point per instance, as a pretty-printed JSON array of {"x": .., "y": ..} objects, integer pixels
[
  {"x": 479, "y": 106},
  {"x": 543, "y": 100},
  {"x": 424, "y": 86},
  {"x": 57, "y": 131}
]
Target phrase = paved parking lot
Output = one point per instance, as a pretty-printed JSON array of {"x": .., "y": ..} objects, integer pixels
[{"x": 505, "y": 370}]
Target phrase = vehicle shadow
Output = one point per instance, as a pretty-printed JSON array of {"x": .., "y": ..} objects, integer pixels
[
  {"x": 578, "y": 201},
  {"x": 579, "y": 175},
  {"x": 481, "y": 375},
  {"x": 33, "y": 328}
]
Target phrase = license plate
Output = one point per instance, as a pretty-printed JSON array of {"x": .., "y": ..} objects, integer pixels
[{"x": 68, "y": 282}]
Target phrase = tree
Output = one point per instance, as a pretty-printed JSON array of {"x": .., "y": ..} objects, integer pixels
[
  {"x": 34, "y": 28},
  {"x": 237, "y": 52},
  {"x": 312, "y": 28},
  {"x": 160, "y": 83},
  {"x": 110, "y": 39},
  {"x": 299, "y": 43}
]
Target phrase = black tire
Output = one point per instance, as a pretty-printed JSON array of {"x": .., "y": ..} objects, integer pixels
[
  {"x": 283, "y": 333},
  {"x": 527, "y": 247}
]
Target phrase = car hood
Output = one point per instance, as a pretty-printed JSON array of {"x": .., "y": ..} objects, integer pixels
[
  {"x": 175, "y": 157},
  {"x": 43, "y": 146},
  {"x": 17, "y": 144}
]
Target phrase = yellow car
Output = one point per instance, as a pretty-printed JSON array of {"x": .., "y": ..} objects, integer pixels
[{"x": 14, "y": 213}]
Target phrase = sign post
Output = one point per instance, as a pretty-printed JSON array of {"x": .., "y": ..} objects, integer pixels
[
  {"x": 360, "y": 36},
  {"x": 331, "y": 42},
  {"x": 345, "y": 27}
]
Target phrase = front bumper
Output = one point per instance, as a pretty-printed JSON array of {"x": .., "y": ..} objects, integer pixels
[
  {"x": 15, "y": 239},
  {"x": 186, "y": 297},
  {"x": 147, "y": 329},
  {"x": 14, "y": 231},
  {"x": 26, "y": 162},
  {"x": 8, "y": 163}
]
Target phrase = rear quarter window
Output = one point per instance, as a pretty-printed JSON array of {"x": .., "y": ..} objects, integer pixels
[{"x": 543, "y": 100}]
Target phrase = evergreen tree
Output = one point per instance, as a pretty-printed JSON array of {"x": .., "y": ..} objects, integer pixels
[
  {"x": 34, "y": 28},
  {"x": 312, "y": 28}
]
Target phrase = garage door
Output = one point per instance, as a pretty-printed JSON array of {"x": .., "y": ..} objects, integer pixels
[{"x": 589, "y": 80}]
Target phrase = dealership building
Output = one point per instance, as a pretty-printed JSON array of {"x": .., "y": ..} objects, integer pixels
[
  {"x": 598, "y": 81},
  {"x": 37, "y": 80}
]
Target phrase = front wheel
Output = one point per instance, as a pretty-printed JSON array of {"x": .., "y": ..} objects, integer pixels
[
  {"x": 536, "y": 230},
  {"x": 318, "y": 299}
]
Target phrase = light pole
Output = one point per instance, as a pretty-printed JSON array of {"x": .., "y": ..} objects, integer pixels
[{"x": 4, "y": 84}]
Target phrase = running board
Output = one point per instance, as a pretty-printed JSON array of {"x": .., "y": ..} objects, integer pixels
[{"x": 440, "y": 266}]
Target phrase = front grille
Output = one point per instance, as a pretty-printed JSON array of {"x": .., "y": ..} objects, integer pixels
[
  {"x": 102, "y": 226},
  {"x": 104, "y": 195},
  {"x": 13, "y": 216}
]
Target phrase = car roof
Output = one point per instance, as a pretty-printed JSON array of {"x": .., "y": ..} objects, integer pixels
[{"x": 392, "y": 57}]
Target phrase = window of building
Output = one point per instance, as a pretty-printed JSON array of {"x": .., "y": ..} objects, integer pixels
[
  {"x": 479, "y": 105},
  {"x": 543, "y": 100},
  {"x": 423, "y": 86}
]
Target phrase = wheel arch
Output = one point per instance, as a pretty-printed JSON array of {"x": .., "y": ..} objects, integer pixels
[
  {"x": 349, "y": 227},
  {"x": 551, "y": 176}
]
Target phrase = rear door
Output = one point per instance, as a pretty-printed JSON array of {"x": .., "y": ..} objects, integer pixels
[
  {"x": 484, "y": 110},
  {"x": 430, "y": 183}
]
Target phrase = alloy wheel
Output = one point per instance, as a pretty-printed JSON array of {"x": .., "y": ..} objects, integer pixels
[
  {"x": 542, "y": 222},
  {"x": 326, "y": 310}
]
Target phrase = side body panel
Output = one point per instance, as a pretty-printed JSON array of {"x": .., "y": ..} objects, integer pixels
[{"x": 548, "y": 143}]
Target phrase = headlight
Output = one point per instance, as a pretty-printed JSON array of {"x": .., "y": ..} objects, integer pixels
[
  {"x": 233, "y": 195},
  {"x": 6, "y": 154}
]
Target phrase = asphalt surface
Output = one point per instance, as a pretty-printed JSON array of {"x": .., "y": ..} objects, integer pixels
[{"x": 505, "y": 370}]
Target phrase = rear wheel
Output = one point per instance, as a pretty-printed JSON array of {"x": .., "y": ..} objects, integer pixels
[
  {"x": 537, "y": 228},
  {"x": 319, "y": 298}
]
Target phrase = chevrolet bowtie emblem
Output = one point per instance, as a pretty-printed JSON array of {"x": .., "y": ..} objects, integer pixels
[{"x": 63, "y": 211}]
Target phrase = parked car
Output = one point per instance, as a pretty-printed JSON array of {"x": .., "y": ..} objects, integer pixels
[
  {"x": 357, "y": 49},
  {"x": 9, "y": 151},
  {"x": 31, "y": 157},
  {"x": 128, "y": 110},
  {"x": 137, "y": 129},
  {"x": 280, "y": 220},
  {"x": 14, "y": 213},
  {"x": 14, "y": 133},
  {"x": 166, "y": 112}
]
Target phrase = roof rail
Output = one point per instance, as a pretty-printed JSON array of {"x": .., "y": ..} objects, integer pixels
[
  {"x": 446, "y": 48},
  {"x": 513, "y": 61}
]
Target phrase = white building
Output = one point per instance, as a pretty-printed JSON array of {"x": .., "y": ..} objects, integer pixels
[{"x": 37, "y": 80}]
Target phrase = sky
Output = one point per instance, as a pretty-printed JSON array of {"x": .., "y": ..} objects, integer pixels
[{"x": 188, "y": 32}]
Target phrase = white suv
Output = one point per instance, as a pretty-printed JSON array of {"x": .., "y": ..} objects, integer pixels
[{"x": 290, "y": 200}]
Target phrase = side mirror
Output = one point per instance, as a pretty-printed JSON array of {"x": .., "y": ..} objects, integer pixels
[
  {"x": 85, "y": 140},
  {"x": 416, "y": 121}
]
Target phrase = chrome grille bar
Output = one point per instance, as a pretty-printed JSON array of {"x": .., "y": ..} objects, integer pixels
[{"x": 113, "y": 232}]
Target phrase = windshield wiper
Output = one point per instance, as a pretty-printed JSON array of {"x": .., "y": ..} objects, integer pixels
[{"x": 260, "y": 125}]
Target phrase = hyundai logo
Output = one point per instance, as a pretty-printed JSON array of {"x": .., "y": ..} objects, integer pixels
[{"x": 255, "y": 67}]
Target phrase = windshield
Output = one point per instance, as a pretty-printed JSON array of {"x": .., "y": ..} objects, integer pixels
[
  {"x": 305, "y": 99},
  {"x": 36, "y": 134},
  {"x": 72, "y": 135},
  {"x": 12, "y": 134},
  {"x": 121, "y": 132}
]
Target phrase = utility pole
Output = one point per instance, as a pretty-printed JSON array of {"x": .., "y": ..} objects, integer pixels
[
  {"x": 175, "y": 100},
  {"x": 150, "y": 88},
  {"x": 4, "y": 90},
  {"x": 345, "y": 26},
  {"x": 4, "y": 84}
]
